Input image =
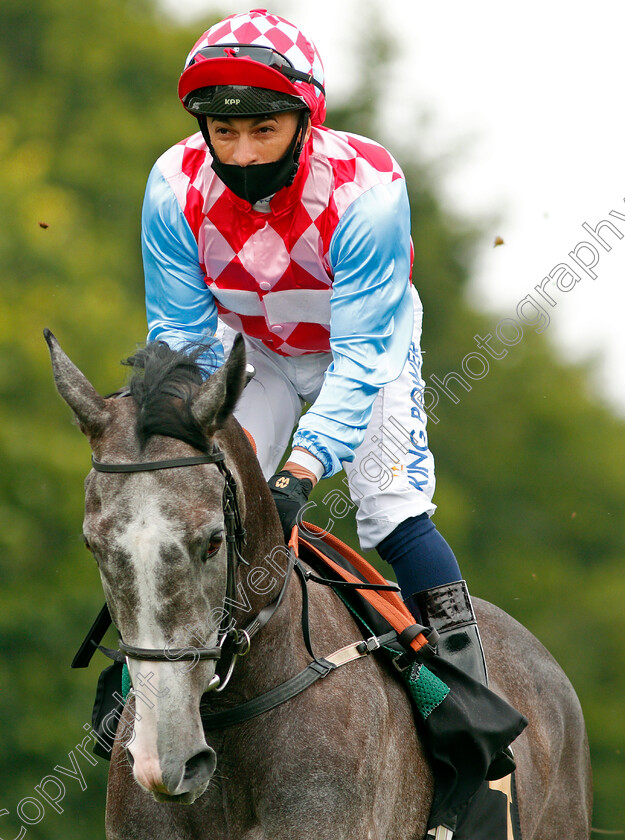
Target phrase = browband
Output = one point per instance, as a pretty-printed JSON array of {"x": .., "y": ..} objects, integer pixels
[{"x": 209, "y": 458}]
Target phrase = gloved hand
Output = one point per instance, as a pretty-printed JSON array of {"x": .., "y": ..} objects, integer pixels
[{"x": 290, "y": 494}]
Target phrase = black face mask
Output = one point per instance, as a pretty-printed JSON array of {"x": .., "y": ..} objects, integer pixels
[{"x": 259, "y": 180}]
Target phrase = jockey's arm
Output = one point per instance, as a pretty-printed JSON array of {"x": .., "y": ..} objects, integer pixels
[
  {"x": 180, "y": 307},
  {"x": 371, "y": 322}
]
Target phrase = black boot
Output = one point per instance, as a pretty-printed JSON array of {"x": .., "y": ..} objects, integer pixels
[{"x": 448, "y": 609}]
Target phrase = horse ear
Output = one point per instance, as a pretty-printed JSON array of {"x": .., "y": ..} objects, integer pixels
[
  {"x": 217, "y": 397},
  {"x": 80, "y": 395}
]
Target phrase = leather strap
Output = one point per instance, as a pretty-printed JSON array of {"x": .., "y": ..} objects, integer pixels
[
  {"x": 93, "y": 638},
  {"x": 158, "y": 655},
  {"x": 390, "y": 587},
  {"x": 168, "y": 655},
  {"x": 300, "y": 682},
  {"x": 147, "y": 466},
  {"x": 275, "y": 697},
  {"x": 301, "y": 572},
  {"x": 115, "y": 655},
  {"x": 267, "y": 611}
]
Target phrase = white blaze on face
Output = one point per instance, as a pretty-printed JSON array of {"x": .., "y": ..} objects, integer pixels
[
  {"x": 167, "y": 728},
  {"x": 143, "y": 540}
]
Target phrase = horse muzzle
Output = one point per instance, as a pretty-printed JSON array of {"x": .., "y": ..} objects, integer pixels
[{"x": 172, "y": 781}]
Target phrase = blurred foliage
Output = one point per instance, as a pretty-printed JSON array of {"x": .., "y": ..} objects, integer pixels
[{"x": 531, "y": 492}]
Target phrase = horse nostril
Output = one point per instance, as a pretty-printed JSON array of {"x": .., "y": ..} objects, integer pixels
[{"x": 200, "y": 767}]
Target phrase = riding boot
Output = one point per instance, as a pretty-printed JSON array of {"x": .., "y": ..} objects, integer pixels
[{"x": 449, "y": 611}]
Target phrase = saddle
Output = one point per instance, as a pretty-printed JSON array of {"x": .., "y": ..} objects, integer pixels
[{"x": 462, "y": 724}]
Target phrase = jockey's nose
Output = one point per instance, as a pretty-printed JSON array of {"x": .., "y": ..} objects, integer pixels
[{"x": 244, "y": 153}]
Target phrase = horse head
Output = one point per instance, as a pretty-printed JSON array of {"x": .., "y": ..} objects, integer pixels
[{"x": 159, "y": 539}]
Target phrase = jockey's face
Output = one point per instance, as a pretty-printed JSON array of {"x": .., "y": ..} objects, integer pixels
[{"x": 244, "y": 141}]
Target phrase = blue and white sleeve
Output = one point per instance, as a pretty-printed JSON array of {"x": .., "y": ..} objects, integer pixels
[
  {"x": 371, "y": 322},
  {"x": 180, "y": 308}
]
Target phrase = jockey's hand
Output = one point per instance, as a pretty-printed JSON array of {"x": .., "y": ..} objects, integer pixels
[{"x": 290, "y": 494}]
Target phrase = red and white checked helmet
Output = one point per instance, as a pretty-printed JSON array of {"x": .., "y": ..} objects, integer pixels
[{"x": 260, "y": 50}]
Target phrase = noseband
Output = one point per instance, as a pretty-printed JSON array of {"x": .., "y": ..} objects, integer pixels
[{"x": 235, "y": 539}]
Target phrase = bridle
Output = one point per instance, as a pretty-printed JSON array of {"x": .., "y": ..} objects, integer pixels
[{"x": 237, "y": 641}]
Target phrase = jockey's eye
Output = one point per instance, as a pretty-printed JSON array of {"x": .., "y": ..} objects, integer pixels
[{"x": 214, "y": 544}]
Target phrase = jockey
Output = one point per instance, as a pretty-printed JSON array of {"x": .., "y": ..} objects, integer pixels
[{"x": 267, "y": 223}]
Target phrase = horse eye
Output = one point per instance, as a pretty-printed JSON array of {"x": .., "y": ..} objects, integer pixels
[
  {"x": 87, "y": 543},
  {"x": 214, "y": 544}
]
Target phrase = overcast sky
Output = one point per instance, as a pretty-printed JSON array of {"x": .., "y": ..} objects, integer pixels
[{"x": 524, "y": 105}]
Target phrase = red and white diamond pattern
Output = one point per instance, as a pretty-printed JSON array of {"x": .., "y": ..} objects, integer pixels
[
  {"x": 270, "y": 273},
  {"x": 263, "y": 29}
]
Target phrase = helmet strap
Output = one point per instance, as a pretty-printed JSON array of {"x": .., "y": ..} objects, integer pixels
[
  {"x": 300, "y": 133},
  {"x": 203, "y": 121}
]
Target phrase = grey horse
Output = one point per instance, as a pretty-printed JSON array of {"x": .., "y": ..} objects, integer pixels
[{"x": 341, "y": 760}]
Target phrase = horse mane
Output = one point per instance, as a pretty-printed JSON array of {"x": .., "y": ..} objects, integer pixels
[{"x": 162, "y": 384}]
